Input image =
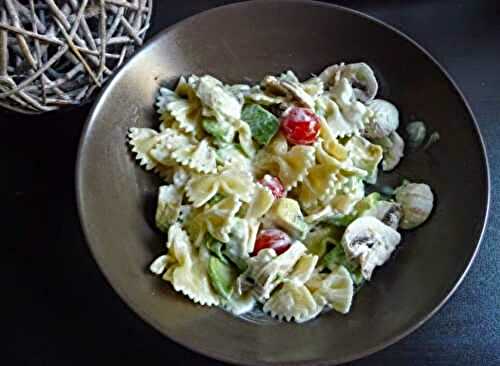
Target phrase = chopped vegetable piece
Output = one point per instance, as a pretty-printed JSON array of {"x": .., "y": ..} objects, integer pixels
[
  {"x": 363, "y": 205},
  {"x": 222, "y": 276},
  {"x": 168, "y": 207},
  {"x": 263, "y": 123},
  {"x": 416, "y": 133},
  {"x": 357, "y": 278},
  {"x": 221, "y": 131},
  {"x": 236, "y": 248},
  {"x": 274, "y": 239},
  {"x": 238, "y": 261},
  {"x": 274, "y": 184},
  {"x": 368, "y": 202},
  {"x": 336, "y": 257},
  {"x": 300, "y": 125},
  {"x": 215, "y": 247},
  {"x": 287, "y": 215},
  {"x": 433, "y": 138},
  {"x": 387, "y": 191},
  {"x": 317, "y": 241},
  {"x": 216, "y": 199}
]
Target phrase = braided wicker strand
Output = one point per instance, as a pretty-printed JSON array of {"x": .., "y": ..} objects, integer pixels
[{"x": 55, "y": 53}]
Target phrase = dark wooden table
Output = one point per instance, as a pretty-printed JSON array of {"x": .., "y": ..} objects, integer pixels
[{"x": 61, "y": 311}]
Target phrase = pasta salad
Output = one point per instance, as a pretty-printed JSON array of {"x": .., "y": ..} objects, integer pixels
[{"x": 265, "y": 201}]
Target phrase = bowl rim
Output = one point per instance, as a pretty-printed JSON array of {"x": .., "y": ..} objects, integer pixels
[{"x": 146, "y": 317}]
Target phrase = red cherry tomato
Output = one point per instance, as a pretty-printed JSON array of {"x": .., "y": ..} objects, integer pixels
[
  {"x": 274, "y": 239},
  {"x": 274, "y": 184},
  {"x": 300, "y": 125}
]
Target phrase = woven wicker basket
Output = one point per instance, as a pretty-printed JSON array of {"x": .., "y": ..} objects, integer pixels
[{"x": 55, "y": 53}]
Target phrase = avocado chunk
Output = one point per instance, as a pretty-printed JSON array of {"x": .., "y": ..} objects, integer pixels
[
  {"x": 318, "y": 240},
  {"x": 222, "y": 277},
  {"x": 287, "y": 215},
  {"x": 221, "y": 131},
  {"x": 337, "y": 257},
  {"x": 263, "y": 124},
  {"x": 364, "y": 205},
  {"x": 215, "y": 247}
]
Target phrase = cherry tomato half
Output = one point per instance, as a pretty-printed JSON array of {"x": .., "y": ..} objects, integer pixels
[
  {"x": 274, "y": 239},
  {"x": 300, "y": 125},
  {"x": 274, "y": 185}
]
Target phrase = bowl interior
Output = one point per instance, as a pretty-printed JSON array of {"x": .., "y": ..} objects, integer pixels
[{"x": 242, "y": 43}]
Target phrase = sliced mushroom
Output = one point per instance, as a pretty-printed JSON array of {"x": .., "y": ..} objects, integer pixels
[
  {"x": 384, "y": 121},
  {"x": 292, "y": 90},
  {"x": 360, "y": 75},
  {"x": 369, "y": 242},
  {"x": 393, "y": 146},
  {"x": 388, "y": 212},
  {"x": 417, "y": 201}
]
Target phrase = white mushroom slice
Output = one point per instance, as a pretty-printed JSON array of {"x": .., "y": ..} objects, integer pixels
[
  {"x": 417, "y": 201},
  {"x": 389, "y": 213},
  {"x": 292, "y": 90},
  {"x": 393, "y": 146},
  {"x": 360, "y": 76},
  {"x": 384, "y": 121},
  {"x": 369, "y": 242}
]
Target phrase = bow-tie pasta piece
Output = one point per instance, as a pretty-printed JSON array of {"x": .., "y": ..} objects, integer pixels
[
  {"x": 292, "y": 302},
  {"x": 189, "y": 271},
  {"x": 230, "y": 182},
  {"x": 168, "y": 141},
  {"x": 304, "y": 269},
  {"x": 365, "y": 156},
  {"x": 219, "y": 218},
  {"x": 289, "y": 165},
  {"x": 200, "y": 157},
  {"x": 335, "y": 289},
  {"x": 142, "y": 141}
]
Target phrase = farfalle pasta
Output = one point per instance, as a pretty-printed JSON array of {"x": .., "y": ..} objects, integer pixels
[
  {"x": 265, "y": 198},
  {"x": 188, "y": 268},
  {"x": 231, "y": 182},
  {"x": 293, "y": 302},
  {"x": 290, "y": 165}
]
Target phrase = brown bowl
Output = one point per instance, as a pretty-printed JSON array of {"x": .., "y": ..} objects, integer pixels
[{"x": 241, "y": 43}]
